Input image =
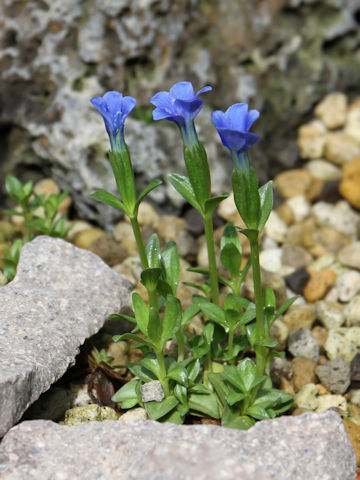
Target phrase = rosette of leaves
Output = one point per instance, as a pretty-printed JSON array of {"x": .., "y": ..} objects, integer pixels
[{"x": 246, "y": 396}]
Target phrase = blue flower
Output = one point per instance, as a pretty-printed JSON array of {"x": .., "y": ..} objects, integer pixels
[
  {"x": 114, "y": 108},
  {"x": 233, "y": 127},
  {"x": 180, "y": 105}
]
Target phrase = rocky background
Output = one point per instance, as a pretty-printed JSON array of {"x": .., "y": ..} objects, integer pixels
[{"x": 281, "y": 56}]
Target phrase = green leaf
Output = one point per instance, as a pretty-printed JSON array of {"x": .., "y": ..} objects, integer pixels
[
  {"x": 175, "y": 416},
  {"x": 219, "y": 386},
  {"x": 144, "y": 374},
  {"x": 154, "y": 328},
  {"x": 230, "y": 255},
  {"x": 121, "y": 316},
  {"x": 213, "y": 202},
  {"x": 127, "y": 395},
  {"x": 141, "y": 311},
  {"x": 232, "y": 419},
  {"x": 235, "y": 397},
  {"x": 152, "y": 364},
  {"x": 179, "y": 374},
  {"x": 266, "y": 342},
  {"x": 135, "y": 338},
  {"x": 199, "y": 173},
  {"x": 183, "y": 186},
  {"x": 153, "y": 251},
  {"x": 172, "y": 318},
  {"x": 286, "y": 305},
  {"x": 180, "y": 393},
  {"x": 124, "y": 176},
  {"x": 214, "y": 313},
  {"x": 108, "y": 198},
  {"x": 156, "y": 410},
  {"x": 205, "y": 403},
  {"x": 152, "y": 185},
  {"x": 189, "y": 313},
  {"x": 13, "y": 187},
  {"x": 194, "y": 369},
  {"x": 171, "y": 263},
  {"x": 257, "y": 412},
  {"x": 269, "y": 297},
  {"x": 150, "y": 278}
]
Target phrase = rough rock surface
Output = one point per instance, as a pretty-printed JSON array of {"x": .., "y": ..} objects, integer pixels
[
  {"x": 281, "y": 56},
  {"x": 60, "y": 296},
  {"x": 310, "y": 446}
]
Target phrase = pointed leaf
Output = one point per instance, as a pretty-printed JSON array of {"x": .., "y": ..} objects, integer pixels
[
  {"x": 127, "y": 395},
  {"x": 152, "y": 185},
  {"x": 172, "y": 318},
  {"x": 108, "y": 199},
  {"x": 171, "y": 263},
  {"x": 266, "y": 203},
  {"x": 150, "y": 278},
  {"x": 151, "y": 363},
  {"x": 154, "y": 328},
  {"x": 141, "y": 311},
  {"x": 213, "y": 202},
  {"x": 205, "y": 403},
  {"x": 156, "y": 410},
  {"x": 135, "y": 338},
  {"x": 153, "y": 251},
  {"x": 183, "y": 186}
]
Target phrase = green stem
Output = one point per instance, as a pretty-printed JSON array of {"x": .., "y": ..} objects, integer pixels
[
  {"x": 209, "y": 234},
  {"x": 259, "y": 302},
  {"x": 139, "y": 242},
  {"x": 163, "y": 379},
  {"x": 231, "y": 346}
]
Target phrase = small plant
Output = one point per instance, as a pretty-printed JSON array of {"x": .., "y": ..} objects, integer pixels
[
  {"x": 213, "y": 374},
  {"x": 29, "y": 207}
]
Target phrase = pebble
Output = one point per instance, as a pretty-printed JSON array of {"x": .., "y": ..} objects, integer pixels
[
  {"x": 330, "y": 314},
  {"x": 270, "y": 259},
  {"x": 280, "y": 368},
  {"x": 343, "y": 342},
  {"x": 299, "y": 316},
  {"x": 280, "y": 331},
  {"x": 340, "y": 217},
  {"x": 332, "y": 110},
  {"x": 301, "y": 343},
  {"x": 152, "y": 392},
  {"x": 292, "y": 183},
  {"x": 304, "y": 371},
  {"x": 325, "y": 402},
  {"x": 295, "y": 256},
  {"x": 348, "y": 285},
  {"x": 275, "y": 228},
  {"x": 350, "y": 255},
  {"x": 311, "y": 139},
  {"x": 320, "y": 334},
  {"x": 300, "y": 207},
  {"x": 119, "y": 353},
  {"x": 89, "y": 413},
  {"x": 323, "y": 170},
  {"x": 352, "y": 312},
  {"x": 341, "y": 148},
  {"x": 86, "y": 238},
  {"x": 334, "y": 375},
  {"x": 354, "y": 396},
  {"x": 134, "y": 415},
  {"x": 147, "y": 215},
  {"x": 297, "y": 280},
  {"x": 109, "y": 250},
  {"x": 355, "y": 368},
  {"x": 123, "y": 234},
  {"x": 353, "y": 431},
  {"x": 227, "y": 210},
  {"x": 349, "y": 186},
  {"x": 318, "y": 285},
  {"x": 307, "y": 397},
  {"x": 352, "y": 126},
  {"x": 285, "y": 213}
]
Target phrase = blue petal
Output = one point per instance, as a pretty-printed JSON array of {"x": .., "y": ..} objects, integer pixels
[
  {"x": 183, "y": 91},
  {"x": 188, "y": 108},
  {"x": 128, "y": 103},
  {"x": 238, "y": 141},
  {"x": 204, "y": 89},
  {"x": 161, "y": 100},
  {"x": 236, "y": 115},
  {"x": 219, "y": 119},
  {"x": 252, "y": 116}
]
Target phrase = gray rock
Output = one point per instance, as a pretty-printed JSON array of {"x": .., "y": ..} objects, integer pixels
[
  {"x": 152, "y": 391},
  {"x": 302, "y": 343},
  {"x": 309, "y": 446},
  {"x": 60, "y": 296},
  {"x": 334, "y": 375}
]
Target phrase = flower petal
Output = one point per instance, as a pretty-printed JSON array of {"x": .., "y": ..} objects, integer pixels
[
  {"x": 204, "y": 89},
  {"x": 252, "y": 116},
  {"x": 183, "y": 91}
]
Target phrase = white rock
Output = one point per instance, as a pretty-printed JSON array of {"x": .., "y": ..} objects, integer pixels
[
  {"x": 280, "y": 331},
  {"x": 348, "y": 285},
  {"x": 332, "y": 110},
  {"x": 332, "y": 295},
  {"x": 331, "y": 401},
  {"x": 330, "y": 314},
  {"x": 323, "y": 170},
  {"x": 307, "y": 397},
  {"x": 352, "y": 312},
  {"x": 343, "y": 342},
  {"x": 354, "y": 396},
  {"x": 152, "y": 392},
  {"x": 340, "y": 217},
  {"x": 352, "y": 126},
  {"x": 270, "y": 259},
  {"x": 275, "y": 228},
  {"x": 300, "y": 207},
  {"x": 133, "y": 415}
]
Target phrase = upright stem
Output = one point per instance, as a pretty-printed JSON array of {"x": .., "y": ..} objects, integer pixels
[
  {"x": 209, "y": 234},
  {"x": 259, "y": 302},
  {"x": 231, "y": 346},
  {"x": 163, "y": 379},
  {"x": 180, "y": 341},
  {"x": 139, "y": 242}
]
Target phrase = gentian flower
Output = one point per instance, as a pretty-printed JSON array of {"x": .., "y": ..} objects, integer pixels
[
  {"x": 233, "y": 127},
  {"x": 180, "y": 105},
  {"x": 114, "y": 109}
]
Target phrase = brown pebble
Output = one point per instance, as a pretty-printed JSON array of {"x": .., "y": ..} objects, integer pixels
[
  {"x": 350, "y": 183},
  {"x": 318, "y": 285},
  {"x": 287, "y": 386},
  {"x": 304, "y": 371},
  {"x": 322, "y": 390},
  {"x": 320, "y": 334},
  {"x": 298, "y": 182},
  {"x": 299, "y": 316},
  {"x": 322, "y": 360},
  {"x": 353, "y": 431}
]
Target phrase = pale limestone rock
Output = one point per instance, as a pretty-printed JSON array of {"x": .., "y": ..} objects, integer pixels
[
  {"x": 348, "y": 285},
  {"x": 332, "y": 110},
  {"x": 330, "y": 314},
  {"x": 325, "y": 402},
  {"x": 341, "y": 148},
  {"x": 275, "y": 228},
  {"x": 307, "y": 397},
  {"x": 323, "y": 170},
  {"x": 133, "y": 415},
  {"x": 352, "y": 312}
]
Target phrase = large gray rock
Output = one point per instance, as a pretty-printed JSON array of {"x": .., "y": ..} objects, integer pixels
[
  {"x": 60, "y": 296},
  {"x": 308, "y": 447}
]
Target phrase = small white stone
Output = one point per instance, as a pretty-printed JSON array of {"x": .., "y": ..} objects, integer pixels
[
  {"x": 270, "y": 259},
  {"x": 275, "y": 228},
  {"x": 332, "y": 110},
  {"x": 330, "y": 314},
  {"x": 352, "y": 126},
  {"x": 280, "y": 331},
  {"x": 352, "y": 312},
  {"x": 307, "y": 397},
  {"x": 323, "y": 170},
  {"x": 300, "y": 207},
  {"x": 152, "y": 392},
  {"x": 343, "y": 342},
  {"x": 354, "y": 396},
  {"x": 331, "y": 401},
  {"x": 340, "y": 217},
  {"x": 348, "y": 285},
  {"x": 332, "y": 295},
  {"x": 133, "y": 415}
]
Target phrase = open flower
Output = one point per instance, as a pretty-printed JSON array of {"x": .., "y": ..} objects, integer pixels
[
  {"x": 233, "y": 127},
  {"x": 114, "y": 109},
  {"x": 180, "y": 105}
]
